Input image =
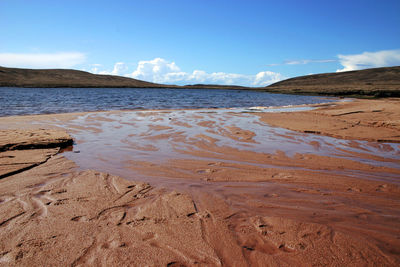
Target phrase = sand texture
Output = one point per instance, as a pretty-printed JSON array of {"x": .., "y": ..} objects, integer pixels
[
  {"x": 12, "y": 162},
  {"x": 373, "y": 120},
  {"x": 57, "y": 218},
  {"x": 205, "y": 188}
]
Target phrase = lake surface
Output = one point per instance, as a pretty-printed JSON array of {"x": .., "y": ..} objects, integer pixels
[{"x": 24, "y": 101}]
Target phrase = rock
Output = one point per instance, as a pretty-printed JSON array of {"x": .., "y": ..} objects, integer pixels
[
  {"x": 21, "y": 150},
  {"x": 29, "y": 139}
]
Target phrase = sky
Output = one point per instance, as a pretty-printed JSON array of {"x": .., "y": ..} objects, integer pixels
[{"x": 251, "y": 43}]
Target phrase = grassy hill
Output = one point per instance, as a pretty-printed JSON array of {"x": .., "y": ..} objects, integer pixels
[
  {"x": 13, "y": 77},
  {"x": 377, "y": 82},
  {"x": 48, "y": 78}
]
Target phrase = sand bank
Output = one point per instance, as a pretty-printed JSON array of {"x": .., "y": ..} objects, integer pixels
[
  {"x": 372, "y": 120},
  {"x": 217, "y": 188}
]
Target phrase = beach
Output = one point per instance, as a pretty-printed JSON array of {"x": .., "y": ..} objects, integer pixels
[{"x": 233, "y": 187}]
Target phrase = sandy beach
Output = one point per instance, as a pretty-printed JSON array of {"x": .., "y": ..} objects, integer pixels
[{"x": 203, "y": 187}]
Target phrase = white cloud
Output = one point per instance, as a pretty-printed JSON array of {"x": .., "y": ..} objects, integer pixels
[
  {"x": 307, "y": 61},
  {"x": 54, "y": 60},
  {"x": 267, "y": 77},
  {"x": 120, "y": 68},
  {"x": 94, "y": 68},
  {"x": 365, "y": 60},
  {"x": 160, "y": 70},
  {"x": 302, "y": 62}
]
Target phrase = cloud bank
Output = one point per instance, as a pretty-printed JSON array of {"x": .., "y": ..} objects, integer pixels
[
  {"x": 160, "y": 70},
  {"x": 35, "y": 61},
  {"x": 384, "y": 58}
]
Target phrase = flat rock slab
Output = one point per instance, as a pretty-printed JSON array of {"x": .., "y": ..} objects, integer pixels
[
  {"x": 15, "y": 161},
  {"x": 33, "y": 139},
  {"x": 23, "y": 149}
]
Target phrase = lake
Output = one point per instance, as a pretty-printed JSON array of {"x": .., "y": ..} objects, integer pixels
[{"x": 24, "y": 101}]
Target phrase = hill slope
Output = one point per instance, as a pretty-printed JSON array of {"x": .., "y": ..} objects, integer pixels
[
  {"x": 378, "y": 82},
  {"x": 16, "y": 77},
  {"x": 13, "y": 77}
]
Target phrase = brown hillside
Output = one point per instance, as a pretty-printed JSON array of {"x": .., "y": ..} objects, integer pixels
[
  {"x": 378, "y": 82},
  {"x": 13, "y": 77}
]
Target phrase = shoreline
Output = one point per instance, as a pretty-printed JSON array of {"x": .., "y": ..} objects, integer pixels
[
  {"x": 290, "y": 117},
  {"x": 247, "y": 206}
]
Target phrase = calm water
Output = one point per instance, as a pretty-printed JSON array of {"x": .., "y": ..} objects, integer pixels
[{"x": 22, "y": 101}]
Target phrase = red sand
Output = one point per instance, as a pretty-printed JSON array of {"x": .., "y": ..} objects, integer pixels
[{"x": 339, "y": 205}]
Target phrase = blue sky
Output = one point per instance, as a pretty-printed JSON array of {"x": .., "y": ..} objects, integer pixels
[{"x": 243, "y": 42}]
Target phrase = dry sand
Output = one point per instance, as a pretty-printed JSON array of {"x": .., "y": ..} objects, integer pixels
[
  {"x": 206, "y": 202},
  {"x": 373, "y": 120}
]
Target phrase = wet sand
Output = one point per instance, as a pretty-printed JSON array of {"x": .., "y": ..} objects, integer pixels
[{"x": 210, "y": 187}]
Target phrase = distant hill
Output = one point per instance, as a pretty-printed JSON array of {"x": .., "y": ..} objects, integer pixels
[
  {"x": 377, "y": 82},
  {"x": 48, "y": 78},
  {"x": 13, "y": 77}
]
